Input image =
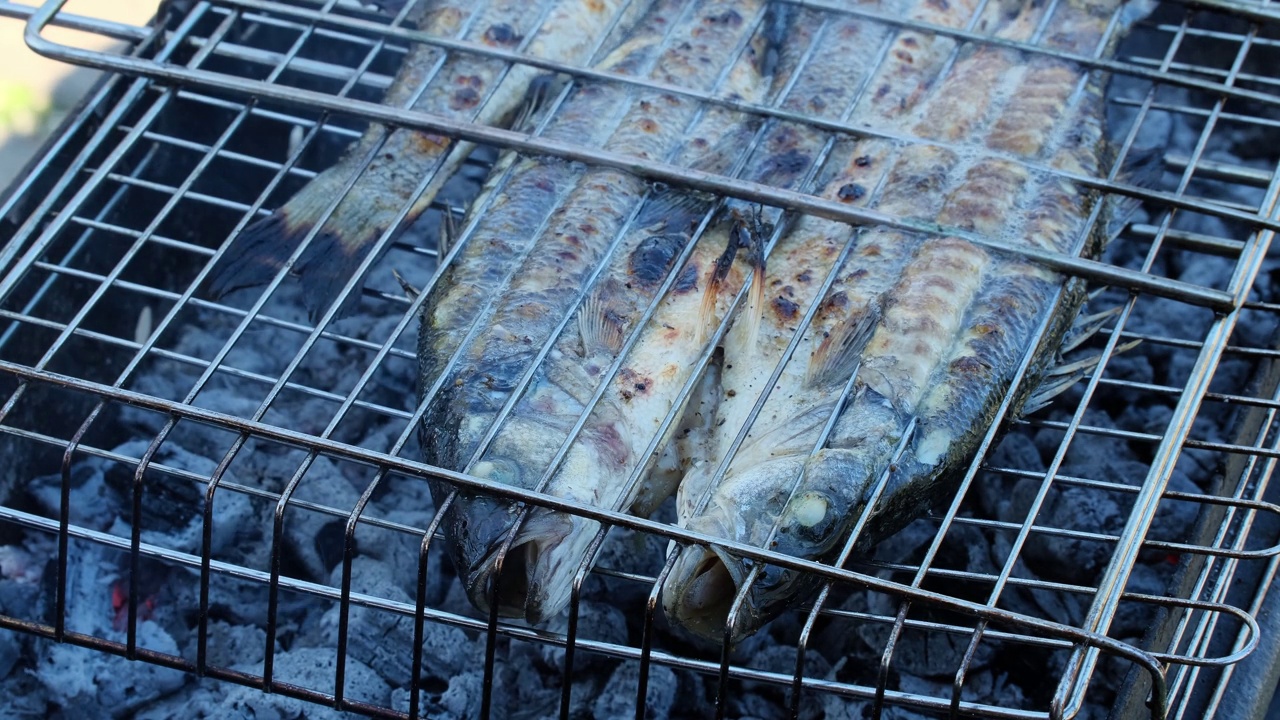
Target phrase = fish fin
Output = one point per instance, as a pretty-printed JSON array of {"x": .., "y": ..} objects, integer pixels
[
  {"x": 1086, "y": 364},
  {"x": 772, "y": 37},
  {"x": 540, "y": 89},
  {"x": 599, "y": 327},
  {"x": 838, "y": 355},
  {"x": 751, "y": 236},
  {"x": 410, "y": 291},
  {"x": 672, "y": 211},
  {"x": 446, "y": 235},
  {"x": 263, "y": 248},
  {"x": 1142, "y": 168},
  {"x": 711, "y": 293},
  {"x": 1063, "y": 377},
  {"x": 1087, "y": 326}
]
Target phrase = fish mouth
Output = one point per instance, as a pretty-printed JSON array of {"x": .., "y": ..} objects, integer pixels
[
  {"x": 700, "y": 592},
  {"x": 524, "y": 582}
]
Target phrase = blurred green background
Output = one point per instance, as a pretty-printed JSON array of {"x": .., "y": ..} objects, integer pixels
[{"x": 35, "y": 93}]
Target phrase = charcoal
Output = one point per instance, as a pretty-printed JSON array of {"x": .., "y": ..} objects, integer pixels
[
  {"x": 1133, "y": 617},
  {"x": 20, "y": 578},
  {"x": 1074, "y": 508},
  {"x": 618, "y": 698},
  {"x": 781, "y": 659},
  {"x": 308, "y": 667},
  {"x": 232, "y": 644},
  {"x": 463, "y": 697},
  {"x": 10, "y": 650},
  {"x": 112, "y": 685},
  {"x": 305, "y": 530},
  {"x": 838, "y": 706},
  {"x": 384, "y": 640},
  {"x": 96, "y": 504},
  {"x": 1147, "y": 417},
  {"x": 400, "y": 550},
  {"x": 751, "y": 705},
  {"x": 596, "y": 621},
  {"x": 24, "y": 697},
  {"x": 526, "y": 687}
]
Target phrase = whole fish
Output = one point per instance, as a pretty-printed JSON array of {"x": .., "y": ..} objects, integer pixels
[
  {"x": 391, "y": 163},
  {"x": 581, "y": 235},
  {"x": 930, "y": 330}
]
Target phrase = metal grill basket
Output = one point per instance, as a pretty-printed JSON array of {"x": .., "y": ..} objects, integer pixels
[{"x": 215, "y": 113}]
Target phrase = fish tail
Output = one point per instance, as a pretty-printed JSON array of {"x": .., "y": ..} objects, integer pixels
[
  {"x": 336, "y": 249},
  {"x": 707, "y": 312}
]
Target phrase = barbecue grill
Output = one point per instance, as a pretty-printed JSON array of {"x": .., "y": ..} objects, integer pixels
[{"x": 228, "y": 490}]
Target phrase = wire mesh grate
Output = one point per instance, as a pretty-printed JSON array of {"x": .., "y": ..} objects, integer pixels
[{"x": 265, "y": 467}]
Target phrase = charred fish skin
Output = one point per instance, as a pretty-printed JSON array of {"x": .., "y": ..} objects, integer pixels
[
  {"x": 577, "y": 238},
  {"x": 659, "y": 365},
  {"x": 467, "y": 87},
  {"x": 506, "y": 228},
  {"x": 571, "y": 243},
  {"x": 694, "y": 599},
  {"x": 936, "y": 350}
]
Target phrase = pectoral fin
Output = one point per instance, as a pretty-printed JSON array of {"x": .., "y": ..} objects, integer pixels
[
  {"x": 601, "y": 329},
  {"x": 839, "y": 354}
]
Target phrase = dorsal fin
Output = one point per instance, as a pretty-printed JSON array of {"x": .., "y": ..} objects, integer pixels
[
  {"x": 410, "y": 291},
  {"x": 841, "y": 351},
  {"x": 600, "y": 328},
  {"x": 1142, "y": 167},
  {"x": 446, "y": 234},
  {"x": 1064, "y": 376},
  {"x": 540, "y": 90},
  {"x": 673, "y": 211}
]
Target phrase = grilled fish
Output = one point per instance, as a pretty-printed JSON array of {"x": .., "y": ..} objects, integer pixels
[
  {"x": 581, "y": 235},
  {"x": 401, "y": 170},
  {"x": 926, "y": 333}
]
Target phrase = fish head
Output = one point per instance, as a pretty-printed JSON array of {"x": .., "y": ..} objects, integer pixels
[
  {"x": 486, "y": 549},
  {"x": 793, "y": 506},
  {"x": 525, "y": 559},
  {"x": 516, "y": 575}
]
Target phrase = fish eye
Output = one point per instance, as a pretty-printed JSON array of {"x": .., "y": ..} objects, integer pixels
[{"x": 808, "y": 517}]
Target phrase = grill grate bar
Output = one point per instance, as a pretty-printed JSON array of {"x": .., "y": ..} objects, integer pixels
[{"x": 967, "y": 35}]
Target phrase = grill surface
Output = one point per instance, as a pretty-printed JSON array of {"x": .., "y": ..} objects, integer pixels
[{"x": 224, "y": 108}]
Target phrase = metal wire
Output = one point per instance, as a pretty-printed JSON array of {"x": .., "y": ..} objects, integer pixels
[{"x": 71, "y": 206}]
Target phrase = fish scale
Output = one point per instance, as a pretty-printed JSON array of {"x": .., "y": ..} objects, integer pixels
[
  {"x": 574, "y": 240},
  {"x": 974, "y": 376},
  {"x": 937, "y": 328},
  {"x": 825, "y": 84},
  {"x": 390, "y": 164},
  {"x": 578, "y": 238},
  {"x": 484, "y": 266},
  {"x": 746, "y": 376}
]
